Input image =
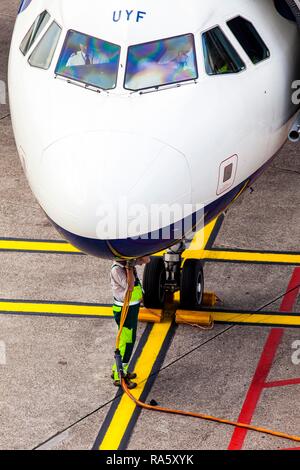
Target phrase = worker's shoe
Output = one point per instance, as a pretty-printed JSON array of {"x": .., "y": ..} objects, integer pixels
[
  {"x": 130, "y": 385},
  {"x": 129, "y": 375}
]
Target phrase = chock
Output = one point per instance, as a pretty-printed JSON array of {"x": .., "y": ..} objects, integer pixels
[
  {"x": 210, "y": 299},
  {"x": 204, "y": 319},
  {"x": 150, "y": 316}
]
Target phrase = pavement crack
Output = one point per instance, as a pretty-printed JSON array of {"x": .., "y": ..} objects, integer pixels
[
  {"x": 279, "y": 298},
  {"x": 4, "y": 117},
  {"x": 55, "y": 436},
  {"x": 287, "y": 170}
]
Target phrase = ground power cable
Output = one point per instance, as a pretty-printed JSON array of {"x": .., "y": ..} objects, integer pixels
[
  {"x": 154, "y": 374},
  {"x": 190, "y": 414}
]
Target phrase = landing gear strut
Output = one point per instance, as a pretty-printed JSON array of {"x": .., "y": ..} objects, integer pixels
[{"x": 166, "y": 274}]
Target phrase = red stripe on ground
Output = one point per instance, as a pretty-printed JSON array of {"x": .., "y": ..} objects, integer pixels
[
  {"x": 282, "y": 383},
  {"x": 256, "y": 387},
  {"x": 292, "y": 448},
  {"x": 264, "y": 366}
]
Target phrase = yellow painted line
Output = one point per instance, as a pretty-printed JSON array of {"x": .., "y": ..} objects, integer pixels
[
  {"x": 250, "y": 257},
  {"x": 196, "y": 250},
  {"x": 55, "y": 308},
  {"x": 64, "y": 247},
  {"x": 126, "y": 407},
  {"x": 198, "y": 243},
  {"x": 28, "y": 245},
  {"x": 256, "y": 318},
  {"x": 200, "y": 240}
]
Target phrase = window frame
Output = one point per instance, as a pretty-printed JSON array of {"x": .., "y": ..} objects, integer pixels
[
  {"x": 37, "y": 45},
  {"x": 23, "y": 5},
  {"x": 221, "y": 27},
  {"x": 37, "y": 36},
  {"x": 157, "y": 87},
  {"x": 259, "y": 36},
  {"x": 86, "y": 84}
]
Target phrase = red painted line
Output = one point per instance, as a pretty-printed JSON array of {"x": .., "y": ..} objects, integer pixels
[
  {"x": 256, "y": 387},
  {"x": 282, "y": 383},
  {"x": 292, "y": 448},
  {"x": 264, "y": 366}
]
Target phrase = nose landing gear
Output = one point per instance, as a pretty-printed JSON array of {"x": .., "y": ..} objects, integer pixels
[{"x": 169, "y": 274}]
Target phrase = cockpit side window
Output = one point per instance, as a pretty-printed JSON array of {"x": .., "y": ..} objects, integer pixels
[
  {"x": 89, "y": 60},
  {"x": 34, "y": 31},
  {"x": 23, "y": 5},
  {"x": 219, "y": 54},
  {"x": 43, "y": 54},
  {"x": 250, "y": 40}
]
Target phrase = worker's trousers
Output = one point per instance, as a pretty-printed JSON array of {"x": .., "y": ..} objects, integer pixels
[{"x": 128, "y": 335}]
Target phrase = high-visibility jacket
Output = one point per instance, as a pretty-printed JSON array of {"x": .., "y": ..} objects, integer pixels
[{"x": 137, "y": 293}]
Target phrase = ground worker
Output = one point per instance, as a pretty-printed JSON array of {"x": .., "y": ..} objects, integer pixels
[{"x": 123, "y": 275}]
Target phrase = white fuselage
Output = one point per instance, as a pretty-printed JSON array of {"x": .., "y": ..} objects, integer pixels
[{"x": 83, "y": 150}]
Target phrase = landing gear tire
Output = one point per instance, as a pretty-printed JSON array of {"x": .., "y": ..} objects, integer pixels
[
  {"x": 192, "y": 285},
  {"x": 153, "y": 283}
]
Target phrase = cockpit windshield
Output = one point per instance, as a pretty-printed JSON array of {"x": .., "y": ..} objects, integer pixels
[
  {"x": 162, "y": 62},
  {"x": 89, "y": 60}
]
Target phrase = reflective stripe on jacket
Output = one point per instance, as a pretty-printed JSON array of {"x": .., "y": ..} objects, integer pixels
[{"x": 119, "y": 286}]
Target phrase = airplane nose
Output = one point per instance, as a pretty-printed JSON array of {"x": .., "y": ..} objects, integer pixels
[{"x": 84, "y": 175}]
